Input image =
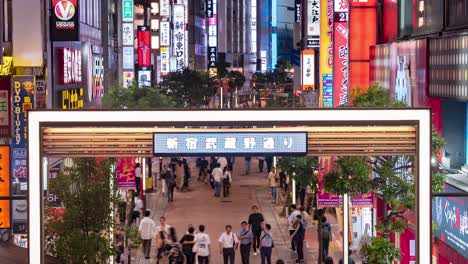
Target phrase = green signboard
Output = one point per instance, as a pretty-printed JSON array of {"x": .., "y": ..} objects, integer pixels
[{"x": 127, "y": 9}]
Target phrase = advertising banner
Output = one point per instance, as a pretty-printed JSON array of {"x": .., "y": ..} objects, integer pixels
[
  {"x": 165, "y": 33},
  {"x": 128, "y": 79},
  {"x": 340, "y": 64},
  {"x": 362, "y": 200},
  {"x": 5, "y": 218},
  {"x": 5, "y": 106},
  {"x": 69, "y": 66},
  {"x": 164, "y": 8},
  {"x": 64, "y": 20},
  {"x": 125, "y": 173},
  {"x": 127, "y": 10},
  {"x": 179, "y": 36},
  {"x": 326, "y": 199},
  {"x": 326, "y": 53},
  {"x": 5, "y": 171},
  {"x": 313, "y": 17},
  {"x": 127, "y": 34},
  {"x": 128, "y": 58},
  {"x": 164, "y": 61},
  {"x": 451, "y": 216},
  {"x": 308, "y": 70},
  {"x": 144, "y": 46},
  {"x": 144, "y": 77},
  {"x": 23, "y": 100}
]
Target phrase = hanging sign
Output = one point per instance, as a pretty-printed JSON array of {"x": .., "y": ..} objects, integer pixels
[
  {"x": 179, "y": 36},
  {"x": 165, "y": 8},
  {"x": 165, "y": 33},
  {"x": 326, "y": 53},
  {"x": 341, "y": 54},
  {"x": 127, "y": 34},
  {"x": 144, "y": 46},
  {"x": 308, "y": 70},
  {"x": 127, "y": 10},
  {"x": 313, "y": 17}
]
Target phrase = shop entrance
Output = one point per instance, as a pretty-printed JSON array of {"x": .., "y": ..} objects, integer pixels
[{"x": 356, "y": 132}]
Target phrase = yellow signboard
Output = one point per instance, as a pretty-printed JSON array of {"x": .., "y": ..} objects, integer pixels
[
  {"x": 73, "y": 98},
  {"x": 4, "y": 171},
  {"x": 5, "y": 214},
  {"x": 326, "y": 53},
  {"x": 5, "y": 68}
]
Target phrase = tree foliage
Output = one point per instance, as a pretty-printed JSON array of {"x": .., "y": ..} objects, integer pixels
[
  {"x": 374, "y": 96},
  {"x": 301, "y": 168},
  {"x": 118, "y": 97},
  {"x": 189, "y": 88},
  {"x": 380, "y": 251},
  {"x": 82, "y": 233},
  {"x": 351, "y": 175}
]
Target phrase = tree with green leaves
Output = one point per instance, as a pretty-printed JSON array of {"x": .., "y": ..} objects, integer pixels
[
  {"x": 118, "y": 97},
  {"x": 189, "y": 88},
  {"x": 83, "y": 233},
  {"x": 350, "y": 176},
  {"x": 300, "y": 169},
  {"x": 236, "y": 81}
]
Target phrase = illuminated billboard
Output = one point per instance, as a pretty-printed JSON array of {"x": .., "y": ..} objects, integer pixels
[
  {"x": 308, "y": 70},
  {"x": 326, "y": 53},
  {"x": 340, "y": 54},
  {"x": 179, "y": 38}
]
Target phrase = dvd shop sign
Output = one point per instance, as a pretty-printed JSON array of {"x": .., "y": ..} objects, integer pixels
[
  {"x": 70, "y": 66},
  {"x": 64, "y": 20}
]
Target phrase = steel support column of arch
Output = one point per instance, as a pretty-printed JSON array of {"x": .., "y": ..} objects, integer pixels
[{"x": 421, "y": 118}]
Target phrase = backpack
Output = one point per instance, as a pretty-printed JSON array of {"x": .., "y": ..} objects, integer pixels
[{"x": 325, "y": 233}]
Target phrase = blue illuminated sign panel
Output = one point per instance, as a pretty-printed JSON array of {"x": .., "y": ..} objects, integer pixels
[{"x": 229, "y": 143}]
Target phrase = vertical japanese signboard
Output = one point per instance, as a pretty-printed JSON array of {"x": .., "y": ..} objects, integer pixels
[
  {"x": 164, "y": 61},
  {"x": 313, "y": 18},
  {"x": 144, "y": 46},
  {"x": 179, "y": 36},
  {"x": 5, "y": 171},
  {"x": 164, "y": 8},
  {"x": 308, "y": 70},
  {"x": 340, "y": 54},
  {"x": 5, "y": 107},
  {"x": 128, "y": 57},
  {"x": 127, "y": 34},
  {"x": 5, "y": 218},
  {"x": 165, "y": 33},
  {"x": 326, "y": 53},
  {"x": 127, "y": 10},
  {"x": 23, "y": 100}
]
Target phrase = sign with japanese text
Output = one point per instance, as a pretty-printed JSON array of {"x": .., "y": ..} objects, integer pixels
[
  {"x": 164, "y": 8},
  {"x": 127, "y": 34},
  {"x": 64, "y": 20},
  {"x": 313, "y": 17},
  {"x": 228, "y": 143},
  {"x": 164, "y": 61},
  {"x": 165, "y": 33},
  {"x": 179, "y": 36},
  {"x": 127, "y": 10},
  {"x": 144, "y": 46},
  {"x": 4, "y": 171},
  {"x": 341, "y": 6},
  {"x": 125, "y": 173},
  {"x": 209, "y": 8},
  {"x": 23, "y": 100},
  {"x": 340, "y": 65},
  {"x": 326, "y": 53},
  {"x": 5, "y": 218},
  {"x": 5, "y": 106},
  {"x": 70, "y": 66},
  {"x": 297, "y": 11},
  {"x": 72, "y": 98},
  {"x": 326, "y": 199},
  {"x": 308, "y": 70},
  {"x": 451, "y": 216},
  {"x": 98, "y": 77},
  {"x": 128, "y": 58}
]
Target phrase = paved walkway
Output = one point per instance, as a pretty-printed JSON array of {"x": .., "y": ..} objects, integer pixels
[{"x": 198, "y": 206}]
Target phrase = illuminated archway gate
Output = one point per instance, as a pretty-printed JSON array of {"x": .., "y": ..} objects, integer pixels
[{"x": 340, "y": 132}]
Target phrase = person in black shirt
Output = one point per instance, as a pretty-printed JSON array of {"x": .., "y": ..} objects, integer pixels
[
  {"x": 255, "y": 224},
  {"x": 187, "y": 242}
]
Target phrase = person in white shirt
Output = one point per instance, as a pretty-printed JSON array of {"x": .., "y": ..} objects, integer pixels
[
  {"x": 223, "y": 163},
  {"x": 146, "y": 232},
  {"x": 228, "y": 244},
  {"x": 162, "y": 229},
  {"x": 137, "y": 210},
  {"x": 291, "y": 219},
  {"x": 227, "y": 179},
  {"x": 202, "y": 245},
  {"x": 217, "y": 174},
  {"x": 273, "y": 183}
]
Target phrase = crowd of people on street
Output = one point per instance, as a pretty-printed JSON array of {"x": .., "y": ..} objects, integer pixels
[{"x": 196, "y": 246}]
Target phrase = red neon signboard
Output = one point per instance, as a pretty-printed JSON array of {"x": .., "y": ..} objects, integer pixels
[
  {"x": 144, "y": 47},
  {"x": 340, "y": 64},
  {"x": 70, "y": 66}
]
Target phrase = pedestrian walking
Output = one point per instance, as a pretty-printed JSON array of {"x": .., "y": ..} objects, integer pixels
[
  {"x": 247, "y": 165},
  {"x": 283, "y": 182},
  {"x": 223, "y": 162},
  {"x": 273, "y": 183},
  {"x": 255, "y": 225},
  {"x": 261, "y": 161},
  {"x": 266, "y": 244},
  {"x": 180, "y": 174},
  {"x": 269, "y": 162},
  {"x": 163, "y": 180},
  {"x": 136, "y": 215},
  {"x": 228, "y": 244},
  {"x": 146, "y": 232},
  {"x": 310, "y": 197},
  {"x": 186, "y": 174},
  {"x": 202, "y": 246},
  {"x": 162, "y": 230},
  {"x": 227, "y": 179},
  {"x": 298, "y": 237},
  {"x": 187, "y": 242},
  {"x": 137, "y": 178},
  {"x": 246, "y": 238},
  {"x": 175, "y": 250},
  {"x": 305, "y": 217},
  {"x": 326, "y": 235},
  {"x": 217, "y": 175},
  {"x": 203, "y": 174},
  {"x": 291, "y": 219},
  {"x": 171, "y": 183}
]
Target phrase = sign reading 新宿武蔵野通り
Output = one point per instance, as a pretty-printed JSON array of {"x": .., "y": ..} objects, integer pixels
[{"x": 229, "y": 143}]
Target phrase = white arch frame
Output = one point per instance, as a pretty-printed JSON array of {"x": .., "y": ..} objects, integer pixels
[{"x": 422, "y": 117}]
